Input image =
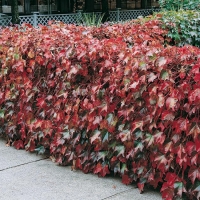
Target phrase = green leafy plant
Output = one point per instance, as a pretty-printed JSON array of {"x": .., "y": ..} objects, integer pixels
[
  {"x": 183, "y": 26},
  {"x": 90, "y": 19},
  {"x": 179, "y": 4}
]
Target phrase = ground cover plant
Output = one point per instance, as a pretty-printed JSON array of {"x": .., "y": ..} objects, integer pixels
[
  {"x": 179, "y": 4},
  {"x": 115, "y": 98},
  {"x": 183, "y": 26}
]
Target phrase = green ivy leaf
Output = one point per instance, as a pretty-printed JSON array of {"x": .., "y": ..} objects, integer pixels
[
  {"x": 110, "y": 118},
  {"x": 66, "y": 135},
  {"x": 16, "y": 56},
  {"x": 138, "y": 145},
  {"x": 197, "y": 189},
  {"x": 105, "y": 137},
  {"x": 96, "y": 135},
  {"x": 126, "y": 81},
  {"x": 149, "y": 139},
  {"x": 120, "y": 150},
  {"x": 139, "y": 134},
  {"x": 4, "y": 71},
  {"x": 121, "y": 127},
  {"x": 140, "y": 170},
  {"x": 2, "y": 113},
  {"x": 117, "y": 167},
  {"x": 113, "y": 145},
  {"x": 123, "y": 168},
  {"x": 164, "y": 75},
  {"x": 40, "y": 150},
  {"x": 180, "y": 187},
  {"x": 102, "y": 155},
  {"x": 40, "y": 135}
]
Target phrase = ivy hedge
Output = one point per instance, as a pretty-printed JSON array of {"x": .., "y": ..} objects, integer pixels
[{"x": 114, "y": 98}]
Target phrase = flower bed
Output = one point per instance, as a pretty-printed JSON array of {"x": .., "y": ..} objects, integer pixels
[{"x": 114, "y": 98}]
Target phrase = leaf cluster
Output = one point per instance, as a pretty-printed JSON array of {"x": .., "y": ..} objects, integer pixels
[
  {"x": 176, "y": 5},
  {"x": 183, "y": 26}
]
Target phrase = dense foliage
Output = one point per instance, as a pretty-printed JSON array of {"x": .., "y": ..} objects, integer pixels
[
  {"x": 180, "y": 4},
  {"x": 183, "y": 26},
  {"x": 114, "y": 98}
]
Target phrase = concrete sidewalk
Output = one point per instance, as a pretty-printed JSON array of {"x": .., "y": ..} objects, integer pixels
[{"x": 29, "y": 176}]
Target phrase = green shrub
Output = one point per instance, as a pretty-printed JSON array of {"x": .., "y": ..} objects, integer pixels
[
  {"x": 179, "y": 4},
  {"x": 183, "y": 26}
]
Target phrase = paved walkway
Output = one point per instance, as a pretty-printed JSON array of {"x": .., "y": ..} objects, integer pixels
[{"x": 25, "y": 175}]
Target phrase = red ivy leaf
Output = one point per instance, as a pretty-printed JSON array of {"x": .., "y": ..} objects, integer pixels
[
  {"x": 97, "y": 168},
  {"x": 180, "y": 125},
  {"x": 195, "y": 69},
  {"x": 197, "y": 143},
  {"x": 197, "y": 77},
  {"x": 171, "y": 178},
  {"x": 104, "y": 171},
  {"x": 41, "y": 102},
  {"x": 161, "y": 61},
  {"x": 126, "y": 179},
  {"x": 159, "y": 137},
  {"x": 168, "y": 194},
  {"x": 194, "y": 131},
  {"x": 182, "y": 75},
  {"x": 19, "y": 66},
  {"x": 194, "y": 159},
  {"x": 167, "y": 115},
  {"x": 31, "y": 63},
  {"x": 140, "y": 186},
  {"x": 151, "y": 77},
  {"x": 160, "y": 100},
  {"x": 125, "y": 135},
  {"x": 161, "y": 159},
  {"x": 95, "y": 136},
  {"x": 194, "y": 173},
  {"x": 194, "y": 95},
  {"x": 171, "y": 103},
  {"x": 190, "y": 147},
  {"x": 40, "y": 60},
  {"x": 155, "y": 179},
  {"x": 78, "y": 164},
  {"x": 137, "y": 124},
  {"x": 30, "y": 146},
  {"x": 18, "y": 144}
]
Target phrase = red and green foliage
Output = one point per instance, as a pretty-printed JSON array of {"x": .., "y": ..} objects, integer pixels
[{"x": 113, "y": 98}]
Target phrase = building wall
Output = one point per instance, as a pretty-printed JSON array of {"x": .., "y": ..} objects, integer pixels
[
  {"x": 127, "y": 4},
  {"x": 67, "y": 6}
]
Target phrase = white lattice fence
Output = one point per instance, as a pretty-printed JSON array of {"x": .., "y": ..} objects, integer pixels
[
  {"x": 127, "y": 15},
  {"x": 124, "y": 15},
  {"x": 68, "y": 18},
  {"x": 113, "y": 16},
  {"x": 120, "y": 15},
  {"x": 26, "y": 19},
  {"x": 5, "y": 21}
]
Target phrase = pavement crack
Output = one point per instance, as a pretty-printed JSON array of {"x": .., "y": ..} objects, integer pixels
[
  {"x": 23, "y": 164},
  {"x": 116, "y": 194}
]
